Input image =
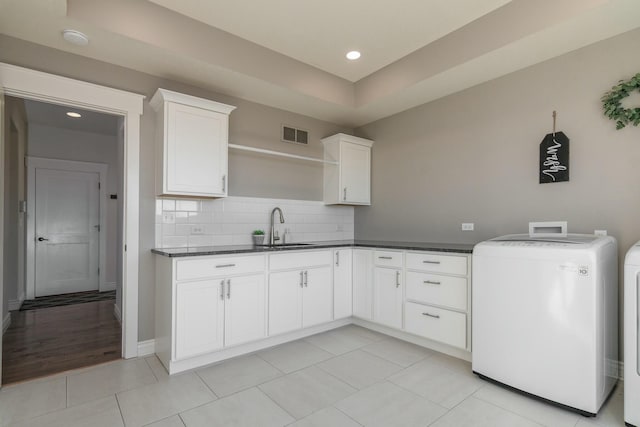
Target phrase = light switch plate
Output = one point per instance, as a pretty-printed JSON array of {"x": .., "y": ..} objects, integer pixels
[
  {"x": 467, "y": 226},
  {"x": 600, "y": 232}
]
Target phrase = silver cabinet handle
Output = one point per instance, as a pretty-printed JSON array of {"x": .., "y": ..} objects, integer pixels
[
  {"x": 222, "y": 289},
  {"x": 228, "y": 288},
  {"x": 338, "y": 258},
  {"x": 435, "y": 316},
  {"x": 431, "y": 262},
  {"x": 225, "y": 265},
  {"x": 431, "y": 282},
  {"x": 224, "y": 183},
  {"x": 306, "y": 279},
  {"x": 397, "y": 279},
  {"x": 385, "y": 257},
  {"x": 344, "y": 194},
  {"x": 301, "y": 279}
]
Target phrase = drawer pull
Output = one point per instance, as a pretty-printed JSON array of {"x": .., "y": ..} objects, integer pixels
[
  {"x": 430, "y": 262},
  {"x": 301, "y": 279},
  {"x": 431, "y": 282},
  {"x": 397, "y": 279},
  {"x": 222, "y": 289},
  {"x": 385, "y": 257},
  {"x": 435, "y": 316},
  {"x": 229, "y": 288},
  {"x": 225, "y": 265}
]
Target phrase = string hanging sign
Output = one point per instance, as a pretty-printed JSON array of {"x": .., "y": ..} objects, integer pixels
[{"x": 554, "y": 156}]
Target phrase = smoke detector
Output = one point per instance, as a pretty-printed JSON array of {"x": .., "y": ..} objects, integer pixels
[{"x": 75, "y": 37}]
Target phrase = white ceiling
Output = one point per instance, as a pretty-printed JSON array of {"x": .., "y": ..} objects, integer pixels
[
  {"x": 53, "y": 115},
  {"x": 320, "y": 33},
  {"x": 290, "y": 53}
]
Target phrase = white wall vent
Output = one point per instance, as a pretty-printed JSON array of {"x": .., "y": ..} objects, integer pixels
[{"x": 295, "y": 136}]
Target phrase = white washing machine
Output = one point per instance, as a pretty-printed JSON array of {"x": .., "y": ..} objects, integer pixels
[
  {"x": 545, "y": 316},
  {"x": 631, "y": 335}
]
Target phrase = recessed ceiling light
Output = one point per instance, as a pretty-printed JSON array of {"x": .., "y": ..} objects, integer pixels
[
  {"x": 74, "y": 114},
  {"x": 353, "y": 55},
  {"x": 75, "y": 37}
]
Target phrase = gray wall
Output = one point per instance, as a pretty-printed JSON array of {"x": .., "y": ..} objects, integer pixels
[
  {"x": 473, "y": 156},
  {"x": 56, "y": 143},
  {"x": 15, "y": 143},
  {"x": 250, "y": 124}
]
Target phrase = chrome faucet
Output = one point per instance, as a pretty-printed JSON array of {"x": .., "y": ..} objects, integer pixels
[{"x": 273, "y": 237}]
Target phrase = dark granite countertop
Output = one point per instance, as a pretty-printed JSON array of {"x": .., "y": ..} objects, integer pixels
[{"x": 245, "y": 249}]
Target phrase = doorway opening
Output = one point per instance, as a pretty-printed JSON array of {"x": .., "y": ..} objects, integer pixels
[{"x": 63, "y": 240}]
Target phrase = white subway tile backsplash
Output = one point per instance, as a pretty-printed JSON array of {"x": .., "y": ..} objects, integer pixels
[{"x": 231, "y": 221}]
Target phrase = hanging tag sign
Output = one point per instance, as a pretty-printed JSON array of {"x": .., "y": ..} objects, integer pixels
[{"x": 554, "y": 156}]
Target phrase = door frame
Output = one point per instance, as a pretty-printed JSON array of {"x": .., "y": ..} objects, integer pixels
[
  {"x": 34, "y": 163},
  {"x": 36, "y": 85}
]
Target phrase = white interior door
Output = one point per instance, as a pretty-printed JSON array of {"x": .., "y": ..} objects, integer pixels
[{"x": 67, "y": 225}]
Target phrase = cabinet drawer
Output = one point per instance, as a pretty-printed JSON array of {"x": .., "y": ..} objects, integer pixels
[
  {"x": 301, "y": 259},
  {"x": 198, "y": 268},
  {"x": 437, "y": 324},
  {"x": 435, "y": 289},
  {"x": 449, "y": 264},
  {"x": 388, "y": 258}
]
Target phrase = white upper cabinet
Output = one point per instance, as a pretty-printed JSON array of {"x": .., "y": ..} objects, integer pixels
[
  {"x": 192, "y": 150},
  {"x": 347, "y": 171}
]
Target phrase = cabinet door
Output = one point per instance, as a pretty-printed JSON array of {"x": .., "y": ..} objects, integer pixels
[
  {"x": 363, "y": 283},
  {"x": 355, "y": 177},
  {"x": 199, "y": 318},
  {"x": 342, "y": 283},
  {"x": 196, "y": 151},
  {"x": 317, "y": 296},
  {"x": 285, "y": 301},
  {"x": 244, "y": 314},
  {"x": 387, "y": 296}
]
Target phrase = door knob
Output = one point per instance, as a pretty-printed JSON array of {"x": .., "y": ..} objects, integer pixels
[{"x": 42, "y": 239}]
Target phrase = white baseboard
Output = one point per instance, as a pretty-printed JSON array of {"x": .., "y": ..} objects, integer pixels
[
  {"x": 146, "y": 348},
  {"x": 6, "y": 322},
  {"x": 108, "y": 286},
  {"x": 117, "y": 313},
  {"x": 15, "y": 304}
]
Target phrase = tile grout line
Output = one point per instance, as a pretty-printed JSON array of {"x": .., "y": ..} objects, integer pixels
[
  {"x": 278, "y": 405},
  {"x": 345, "y": 414},
  {"x": 120, "y": 409}
]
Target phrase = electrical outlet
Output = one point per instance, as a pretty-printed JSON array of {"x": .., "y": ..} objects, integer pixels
[
  {"x": 600, "y": 232},
  {"x": 467, "y": 226},
  {"x": 339, "y": 227},
  {"x": 169, "y": 218},
  {"x": 197, "y": 229}
]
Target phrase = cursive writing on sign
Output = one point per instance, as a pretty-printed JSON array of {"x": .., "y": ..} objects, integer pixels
[{"x": 552, "y": 160}]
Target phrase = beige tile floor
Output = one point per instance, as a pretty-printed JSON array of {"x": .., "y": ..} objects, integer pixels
[{"x": 348, "y": 377}]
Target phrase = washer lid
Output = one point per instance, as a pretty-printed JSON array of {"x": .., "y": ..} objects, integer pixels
[{"x": 526, "y": 240}]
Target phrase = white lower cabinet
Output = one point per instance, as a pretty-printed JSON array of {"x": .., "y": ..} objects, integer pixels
[
  {"x": 342, "y": 283},
  {"x": 244, "y": 310},
  {"x": 302, "y": 294},
  {"x": 285, "y": 301},
  {"x": 300, "y": 298},
  {"x": 199, "y": 318},
  {"x": 211, "y": 314},
  {"x": 211, "y": 307},
  {"x": 363, "y": 283},
  {"x": 449, "y": 327},
  {"x": 387, "y": 296}
]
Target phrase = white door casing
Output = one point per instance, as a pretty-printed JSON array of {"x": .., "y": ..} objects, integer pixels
[
  {"x": 36, "y": 85},
  {"x": 66, "y": 236},
  {"x": 2, "y": 147}
]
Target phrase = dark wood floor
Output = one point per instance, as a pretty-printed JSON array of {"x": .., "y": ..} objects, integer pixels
[{"x": 51, "y": 340}]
